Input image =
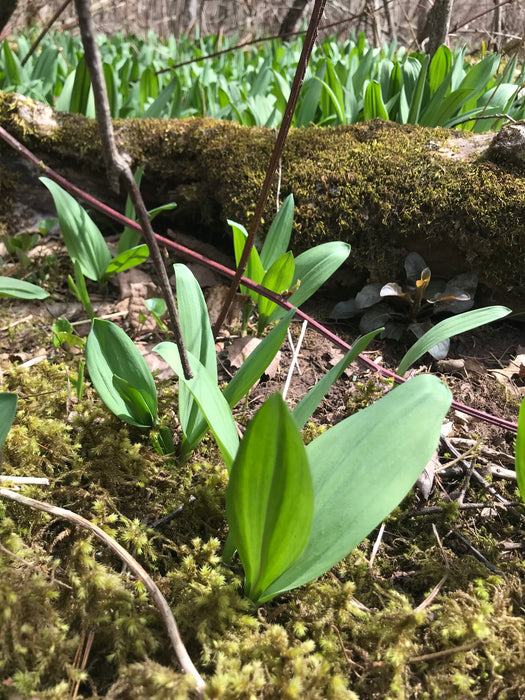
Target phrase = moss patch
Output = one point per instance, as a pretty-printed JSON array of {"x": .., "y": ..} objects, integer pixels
[{"x": 354, "y": 633}]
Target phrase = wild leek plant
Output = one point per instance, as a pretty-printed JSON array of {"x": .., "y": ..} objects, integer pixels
[
  {"x": 294, "y": 512},
  {"x": 84, "y": 241},
  {"x": 278, "y": 270}
]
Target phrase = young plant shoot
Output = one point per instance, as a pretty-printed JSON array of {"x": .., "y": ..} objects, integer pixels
[{"x": 360, "y": 471}]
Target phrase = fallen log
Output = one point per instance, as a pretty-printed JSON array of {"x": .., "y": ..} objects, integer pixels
[{"x": 456, "y": 198}]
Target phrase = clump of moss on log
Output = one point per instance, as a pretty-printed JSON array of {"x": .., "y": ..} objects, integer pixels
[{"x": 384, "y": 188}]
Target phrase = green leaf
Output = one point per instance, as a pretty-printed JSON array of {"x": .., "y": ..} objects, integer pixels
[
  {"x": 439, "y": 67},
  {"x": 448, "y": 329},
  {"x": 269, "y": 501},
  {"x": 199, "y": 340},
  {"x": 313, "y": 268},
  {"x": 8, "y": 404},
  {"x": 362, "y": 468},
  {"x": 417, "y": 96},
  {"x": 257, "y": 361},
  {"x": 373, "y": 106},
  {"x": 19, "y": 289},
  {"x": 520, "y": 451},
  {"x": 127, "y": 259},
  {"x": 278, "y": 279},
  {"x": 209, "y": 398},
  {"x": 109, "y": 353},
  {"x": 313, "y": 398},
  {"x": 278, "y": 237},
  {"x": 84, "y": 242},
  {"x": 135, "y": 401},
  {"x": 254, "y": 269}
]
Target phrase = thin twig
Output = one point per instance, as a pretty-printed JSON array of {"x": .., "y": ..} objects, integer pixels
[
  {"x": 157, "y": 597},
  {"x": 376, "y": 546},
  {"x": 445, "y": 652},
  {"x": 44, "y": 31},
  {"x": 118, "y": 168},
  {"x": 309, "y": 41}
]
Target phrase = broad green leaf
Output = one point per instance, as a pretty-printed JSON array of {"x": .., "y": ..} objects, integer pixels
[
  {"x": 417, "y": 95},
  {"x": 160, "y": 105},
  {"x": 127, "y": 259},
  {"x": 135, "y": 401},
  {"x": 313, "y": 268},
  {"x": 361, "y": 470},
  {"x": 209, "y": 398},
  {"x": 254, "y": 269},
  {"x": 80, "y": 89},
  {"x": 448, "y": 329},
  {"x": 198, "y": 339},
  {"x": 194, "y": 319},
  {"x": 313, "y": 398},
  {"x": 373, "y": 106},
  {"x": 257, "y": 361},
  {"x": 269, "y": 501},
  {"x": 277, "y": 279},
  {"x": 109, "y": 353},
  {"x": 309, "y": 99},
  {"x": 19, "y": 289},
  {"x": 520, "y": 450},
  {"x": 8, "y": 404},
  {"x": 439, "y": 67},
  {"x": 278, "y": 237},
  {"x": 84, "y": 242}
]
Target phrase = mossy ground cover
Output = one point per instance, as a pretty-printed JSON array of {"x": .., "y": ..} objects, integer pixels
[{"x": 361, "y": 631}]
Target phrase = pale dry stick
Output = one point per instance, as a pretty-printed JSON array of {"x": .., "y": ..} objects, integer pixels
[
  {"x": 294, "y": 360},
  {"x": 376, "y": 546},
  {"x": 118, "y": 169},
  {"x": 155, "y": 593},
  {"x": 311, "y": 35},
  {"x": 36, "y": 480},
  {"x": 434, "y": 592},
  {"x": 292, "y": 348}
]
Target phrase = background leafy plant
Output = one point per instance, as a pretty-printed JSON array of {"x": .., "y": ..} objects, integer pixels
[{"x": 347, "y": 81}]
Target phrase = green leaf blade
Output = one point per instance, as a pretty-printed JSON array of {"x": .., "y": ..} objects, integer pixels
[
  {"x": 361, "y": 470},
  {"x": 109, "y": 353},
  {"x": 449, "y": 328},
  {"x": 269, "y": 501}
]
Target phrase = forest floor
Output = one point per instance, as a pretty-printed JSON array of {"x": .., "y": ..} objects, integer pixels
[{"x": 434, "y": 608}]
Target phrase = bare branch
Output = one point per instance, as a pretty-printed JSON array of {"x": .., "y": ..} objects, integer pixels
[{"x": 118, "y": 168}]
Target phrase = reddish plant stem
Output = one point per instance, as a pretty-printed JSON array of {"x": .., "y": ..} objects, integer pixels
[
  {"x": 309, "y": 41},
  {"x": 223, "y": 270}
]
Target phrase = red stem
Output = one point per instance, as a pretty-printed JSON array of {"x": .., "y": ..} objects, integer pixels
[{"x": 221, "y": 269}]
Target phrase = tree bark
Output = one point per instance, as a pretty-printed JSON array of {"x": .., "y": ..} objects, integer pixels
[
  {"x": 387, "y": 189},
  {"x": 437, "y": 25},
  {"x": 293, "y": 17},
  {"x": 7, "y": 7}
]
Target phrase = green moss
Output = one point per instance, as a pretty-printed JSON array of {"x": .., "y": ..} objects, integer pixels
[{"x": 354, "y": 633}]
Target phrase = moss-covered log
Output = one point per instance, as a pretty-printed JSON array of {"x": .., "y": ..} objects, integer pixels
[{"x": 385, "y": 188}]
